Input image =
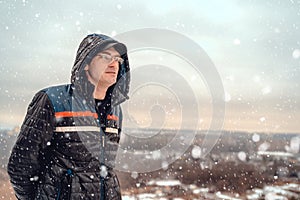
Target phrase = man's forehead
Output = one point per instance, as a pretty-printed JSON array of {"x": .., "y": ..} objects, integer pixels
[{"x": 111, "y": 51}]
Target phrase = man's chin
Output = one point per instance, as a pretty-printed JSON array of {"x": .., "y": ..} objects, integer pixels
[{"x": 112, "y": 82}]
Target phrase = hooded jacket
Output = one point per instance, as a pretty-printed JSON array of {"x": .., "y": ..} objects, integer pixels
[{"x": 65, "y": 149}]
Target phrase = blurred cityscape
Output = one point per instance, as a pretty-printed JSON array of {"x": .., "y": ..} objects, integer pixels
[{"x": 240, "y": 166}]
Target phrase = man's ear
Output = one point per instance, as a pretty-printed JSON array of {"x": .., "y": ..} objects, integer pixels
[{"x": 86, "y": 68}]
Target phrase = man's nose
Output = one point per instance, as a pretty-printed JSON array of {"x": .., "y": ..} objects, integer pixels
[{"x": 114, "y": 63}]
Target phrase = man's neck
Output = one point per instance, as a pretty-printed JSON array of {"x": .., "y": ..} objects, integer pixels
[{"x": 100, "y": 93}]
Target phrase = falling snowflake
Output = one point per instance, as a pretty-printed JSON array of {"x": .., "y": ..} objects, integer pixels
[
  {"x": 256, "y": 79},
  {"x": 164, "y": 165},
  {"x": 156, "y": 154},
  {"x": 242, "y": 156},
  {"x": 236, "y": 42},
  {"x": 35, "y": 178},
  {"x": 113, "y": 33},
  {"x": 103, "y": 171},
  {"x": 255, "y": 137},
  {"x": 266, "y": 90},
  {"x": 264, "y": 146},
  {"x": 296, "y": 53},
  {"x": 119, "y": 7},
  {"x": 262, "y": 119},
  {"x": 294, "y": 146},
  {"x": 196, "y": 152},
  {"x": 227, "y": 97},
  {"x": 134, "y": 175}
]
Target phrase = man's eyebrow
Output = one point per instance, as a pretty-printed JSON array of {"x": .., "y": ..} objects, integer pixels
[{"x": 106, "y": 52}]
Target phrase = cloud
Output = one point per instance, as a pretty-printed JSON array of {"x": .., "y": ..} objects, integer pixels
[{"x": 40, "y": 41}]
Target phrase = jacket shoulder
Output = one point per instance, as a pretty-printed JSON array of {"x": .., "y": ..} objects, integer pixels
[
  {"x": 57, "y": 88},
  {"x": 59, "y": 96}
]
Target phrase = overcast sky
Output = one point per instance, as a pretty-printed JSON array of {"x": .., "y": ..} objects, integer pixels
[{"x": 255, "y": 46}]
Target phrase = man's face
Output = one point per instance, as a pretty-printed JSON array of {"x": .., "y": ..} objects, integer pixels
[{"x": 101, "y": 71}]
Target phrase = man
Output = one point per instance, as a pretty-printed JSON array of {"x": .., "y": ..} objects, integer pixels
[{"x": 68, "y": 141}]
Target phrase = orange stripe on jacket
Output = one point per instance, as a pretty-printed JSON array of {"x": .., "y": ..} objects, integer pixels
[
  {"x": 112, "y": 117},
  {"x": 76, "y": 114}
]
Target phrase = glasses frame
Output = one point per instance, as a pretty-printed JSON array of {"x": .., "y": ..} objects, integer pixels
[{"x": 109, "y": 59}]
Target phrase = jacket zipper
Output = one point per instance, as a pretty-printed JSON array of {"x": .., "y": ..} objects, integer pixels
[{"x": 102, "y": 159}]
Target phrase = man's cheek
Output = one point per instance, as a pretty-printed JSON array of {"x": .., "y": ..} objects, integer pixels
[{"x": 98, "y": 74}]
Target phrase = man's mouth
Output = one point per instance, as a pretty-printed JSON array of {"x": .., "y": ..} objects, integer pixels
[{"x": 111, "y": 72}]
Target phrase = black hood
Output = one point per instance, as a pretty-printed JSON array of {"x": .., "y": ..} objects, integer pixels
[{"x": 88, "y": 48}]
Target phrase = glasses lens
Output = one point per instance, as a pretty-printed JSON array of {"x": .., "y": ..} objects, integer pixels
[{"x": 109, "y": 59}]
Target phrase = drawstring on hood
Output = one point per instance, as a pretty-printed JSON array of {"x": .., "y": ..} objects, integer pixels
[{"x": 90, "y": 46}]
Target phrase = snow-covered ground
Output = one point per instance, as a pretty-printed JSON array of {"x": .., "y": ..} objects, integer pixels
[{"x": 175, "y": 190}]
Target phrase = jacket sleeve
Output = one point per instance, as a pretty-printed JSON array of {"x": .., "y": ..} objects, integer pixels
[{"x": 27, "y": 156}]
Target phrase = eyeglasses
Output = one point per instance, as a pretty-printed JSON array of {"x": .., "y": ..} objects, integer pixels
[{"x": 109, "y": 59}]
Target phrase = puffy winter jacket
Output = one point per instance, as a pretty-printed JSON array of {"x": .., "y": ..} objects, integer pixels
[{"x": 65, "y": 149}]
